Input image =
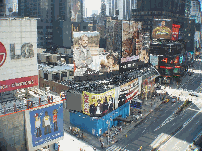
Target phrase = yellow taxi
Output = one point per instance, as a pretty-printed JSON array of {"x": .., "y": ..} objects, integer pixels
[{"x": 166, "y": 101}]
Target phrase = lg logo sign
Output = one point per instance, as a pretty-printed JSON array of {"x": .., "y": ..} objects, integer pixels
[{"x": 3, "y": 54}]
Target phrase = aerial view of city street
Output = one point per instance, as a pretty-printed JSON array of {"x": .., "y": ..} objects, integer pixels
[{"x": 100, "y": 75}]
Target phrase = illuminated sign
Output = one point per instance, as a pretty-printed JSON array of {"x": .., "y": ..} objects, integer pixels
[
  {"x": 3, "y": 54},
  {"x": 162, "y": 29},
  {"x": 175, "y": 32}
]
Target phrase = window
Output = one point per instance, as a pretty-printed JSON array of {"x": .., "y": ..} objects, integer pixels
[{"x": 71, "y": 73}]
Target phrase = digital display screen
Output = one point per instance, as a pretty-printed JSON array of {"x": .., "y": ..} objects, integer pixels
[{"x": 162, "y": 29}]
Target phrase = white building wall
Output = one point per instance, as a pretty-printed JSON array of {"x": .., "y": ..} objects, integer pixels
[
  {"x": 120, "y": 8},
  {"x": 18, "y": 32}
]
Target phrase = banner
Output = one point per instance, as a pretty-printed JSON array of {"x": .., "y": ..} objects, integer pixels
[
  {"x": 18, "y": 83},
  {"x": 92, "y": 98},
  {"x": 129, "y": 90}
]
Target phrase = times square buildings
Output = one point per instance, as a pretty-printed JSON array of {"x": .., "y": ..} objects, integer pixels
[{"x": 134, "y": 63}]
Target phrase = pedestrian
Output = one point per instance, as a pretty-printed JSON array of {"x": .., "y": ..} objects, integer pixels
[
  {"x": 151, "y": 104},
  {"x": 102, "y": 145}
]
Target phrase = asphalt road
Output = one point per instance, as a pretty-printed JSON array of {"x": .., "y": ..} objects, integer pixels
[
  {"x": 144, "y": 134},
  {"x": 153, "y": 126},
  {"x": 185, "y": 137}
]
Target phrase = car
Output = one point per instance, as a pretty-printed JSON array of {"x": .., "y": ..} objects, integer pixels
[
  {"x": 173, "y": 99},
  {"x": 193, "y": 94},
  {"x": 189, "y": 73},
  {"x": 166, "y": 100}
]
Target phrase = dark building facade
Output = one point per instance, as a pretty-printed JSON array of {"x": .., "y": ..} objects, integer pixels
[
  {"x": 62, "y": 34},
  {"x": 2, "y": 7},
  {"x": 48, "y": 11},
  {"x": 148, "y": 10}
]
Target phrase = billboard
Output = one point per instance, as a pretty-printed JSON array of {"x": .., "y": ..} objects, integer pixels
[
  {"x": 88, "y": 57},
  {"x": 175, "y": 32},
  {"x": 131, "y": 38},
  {"x": 162, "y": 29},
  {"x": 18, "y": 54},
  {"x": 154, "y": 60},
  {"x": 44, "y": 125},
  {"x": 95, "y": 103},
  {"x": 76, "y": 10}
]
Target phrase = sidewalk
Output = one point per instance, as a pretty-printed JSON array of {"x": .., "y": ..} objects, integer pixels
[{"x": 94, "y": 141}]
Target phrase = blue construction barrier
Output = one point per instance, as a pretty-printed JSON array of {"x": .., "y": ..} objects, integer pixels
[{"x": 97, "y": 126}]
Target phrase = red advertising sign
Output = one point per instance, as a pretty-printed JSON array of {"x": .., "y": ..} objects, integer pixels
[
  {"x": 2, "y": 54},
  {"x": 175, "y": 31},
  {"x": 18, "y": 83}
]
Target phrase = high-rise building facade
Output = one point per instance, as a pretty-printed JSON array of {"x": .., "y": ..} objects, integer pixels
[
  {"x": 11, "y": 4},
  {"x": 2, "y": 8},
  {"x": 124, "y": 8},
  {"x": 48, "y": 11},
  {"x": 195, "y": 11}
]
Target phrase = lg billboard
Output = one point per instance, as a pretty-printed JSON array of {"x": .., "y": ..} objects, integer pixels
[{"x": 18, "y": 54}]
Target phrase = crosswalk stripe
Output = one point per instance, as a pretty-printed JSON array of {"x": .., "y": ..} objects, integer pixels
[{"x": 116, "y": 148}]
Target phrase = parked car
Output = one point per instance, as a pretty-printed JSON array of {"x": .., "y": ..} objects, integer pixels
[{"x": 193, "y": 94}]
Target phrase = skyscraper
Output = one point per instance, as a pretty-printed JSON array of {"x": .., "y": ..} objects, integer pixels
[
  {"x": 195, "y": 11},
  {"x": 48, "y": 11}
]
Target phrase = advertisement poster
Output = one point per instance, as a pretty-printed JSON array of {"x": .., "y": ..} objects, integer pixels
[
  {"x": 129, "y": 90},
  {"x": 87, "y": 58},
  {"x": 76, "y": 10},
  {"x": 162, "y": 29},
  {"x": 131, "y": 38},
  {"x": 175, "y": 32},
  {"x": 46, "y": 124},
  {"x": 154, "y": 60},
  {"x": 91, "y": 98}
]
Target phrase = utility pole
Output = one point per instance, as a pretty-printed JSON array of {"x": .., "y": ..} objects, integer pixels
[{"x": 108, "y": 132}]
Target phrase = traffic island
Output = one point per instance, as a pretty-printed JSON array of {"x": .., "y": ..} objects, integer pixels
[{"x": 184, "y": 106}]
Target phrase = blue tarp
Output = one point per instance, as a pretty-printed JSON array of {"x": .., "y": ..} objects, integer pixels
[{"x": 97, "y": 126}]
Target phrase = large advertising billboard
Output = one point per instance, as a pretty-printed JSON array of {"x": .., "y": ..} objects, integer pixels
[
  {"x": 88, "y": 60},
  {"x": 131, "y": 37},
  {"x": 98, "y": 104},
  {"x": 175, "y": 32},
  {"x": 18, "y": 55},
  {"x": 76, "y": 10},
  {"x": 44, "y": 125},
  {"x": 162, "y": 29},
  {"x": 132, "y": 42}
]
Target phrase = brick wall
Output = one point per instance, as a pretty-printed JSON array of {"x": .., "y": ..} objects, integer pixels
[
  {"x": 55, "y": 87},
  {"x": 12, "y": 132}
]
